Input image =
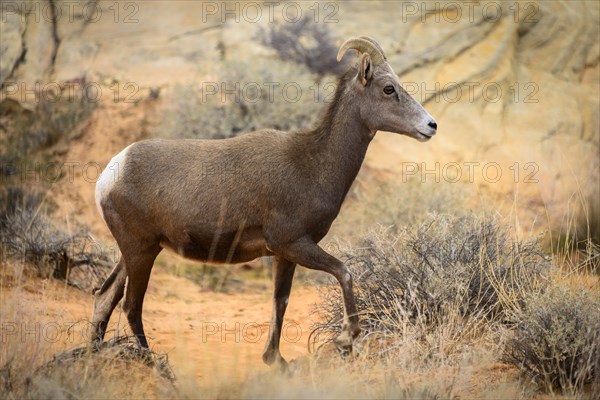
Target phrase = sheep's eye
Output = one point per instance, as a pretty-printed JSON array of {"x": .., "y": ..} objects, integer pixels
[{"x": 389, "y": 89}]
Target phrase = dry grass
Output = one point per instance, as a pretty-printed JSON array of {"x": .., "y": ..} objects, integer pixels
[
  {"x": 396, "y": 205},
  {"x": 44, "y": 354},
  {"x": 443, "y": 301},
  {"x": 453, "y": 277},
  {"x": 30, "y": 140},
  {"x": 444, "y": 362},
  {"x": 430, "y": 292},
  {"x": 36, "y": 368},
  {"x": 120, "y": 347}
]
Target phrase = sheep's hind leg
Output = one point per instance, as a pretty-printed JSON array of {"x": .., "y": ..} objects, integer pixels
[
  {"x": 107, "y": 298},
  {"x": 139, "y": 265}
]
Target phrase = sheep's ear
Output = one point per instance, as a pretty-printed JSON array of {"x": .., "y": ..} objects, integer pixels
[{"x": 365, "y": 72}]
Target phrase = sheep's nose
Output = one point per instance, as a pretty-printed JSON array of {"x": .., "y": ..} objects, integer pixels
[{"x": 432, "y": 124}]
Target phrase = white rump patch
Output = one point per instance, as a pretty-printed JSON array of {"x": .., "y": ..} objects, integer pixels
[{"x": 111, "y": 175}]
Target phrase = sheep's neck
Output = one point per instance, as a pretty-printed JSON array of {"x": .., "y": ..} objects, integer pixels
[{"x": 340, "y": 145}]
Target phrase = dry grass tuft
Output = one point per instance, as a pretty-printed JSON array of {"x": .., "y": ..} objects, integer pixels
[
  {"x": 116, "y": 370},
  {"x": 125, "y": 348},
  {"x": 35, "y": 364},
  {"x": 29, "y": 140}
]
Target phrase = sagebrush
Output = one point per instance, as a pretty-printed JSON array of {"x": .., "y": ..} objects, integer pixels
[
  {"x": 556, "y": 340},
  {"x": 304, "y": 42},
  {"x": 25, "y": 135},
  {"x": 28, "y": 234},
  {"x": 448, "y": 272},
  {"x": 245, "y": 96}
]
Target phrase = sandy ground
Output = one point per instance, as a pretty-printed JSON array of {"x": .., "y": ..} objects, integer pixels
[{"x": 203, "y": 332}]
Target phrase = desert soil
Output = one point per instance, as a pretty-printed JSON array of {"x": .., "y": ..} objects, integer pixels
[{"x": 204, "y": 333}]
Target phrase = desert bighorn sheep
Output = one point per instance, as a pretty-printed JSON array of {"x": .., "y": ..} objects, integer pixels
[{"x": 262, "y": 193}]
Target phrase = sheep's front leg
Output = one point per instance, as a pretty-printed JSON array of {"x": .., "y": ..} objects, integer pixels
[{"x": 307, "y": 253}]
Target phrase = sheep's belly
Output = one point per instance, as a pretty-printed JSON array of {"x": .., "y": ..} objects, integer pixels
[{"x": 227, "y": 247}]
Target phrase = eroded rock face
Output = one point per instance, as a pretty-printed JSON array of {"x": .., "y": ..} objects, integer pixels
[
  {"x": 534, "y": 79},
  {"x": 29, "y": 41},
  {"x": 11, "y": 42},
  {"x": 508, "y": 82},
  {"x": 513, "y": 86}
]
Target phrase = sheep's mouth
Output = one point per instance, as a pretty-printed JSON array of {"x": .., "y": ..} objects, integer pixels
[{"x": 424, "y": 135}]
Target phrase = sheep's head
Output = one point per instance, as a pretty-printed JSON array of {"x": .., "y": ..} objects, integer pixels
[{"x": 384, "y": 105}]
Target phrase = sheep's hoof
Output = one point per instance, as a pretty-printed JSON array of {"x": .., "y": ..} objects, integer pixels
[
  {"x": 94, "y": 345},
  {"x": 274, "y": 359},
  {"x": 343, "y": 343}
]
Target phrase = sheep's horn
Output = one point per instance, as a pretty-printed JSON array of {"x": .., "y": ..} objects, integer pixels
[
  {"x": 364, "y": 46},
  {"x": 376, "y": 44}
]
